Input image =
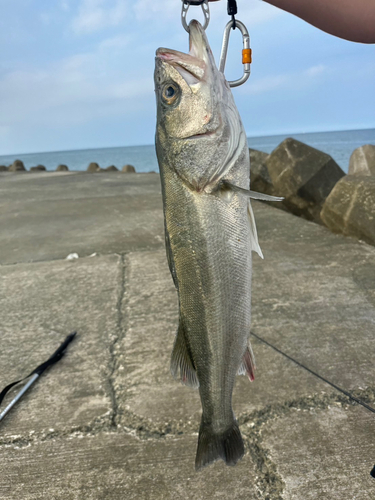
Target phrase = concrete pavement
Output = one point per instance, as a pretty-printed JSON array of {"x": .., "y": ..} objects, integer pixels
[
  {"x": 46, "y": 216},
  {"x": 108, "y": 421}
]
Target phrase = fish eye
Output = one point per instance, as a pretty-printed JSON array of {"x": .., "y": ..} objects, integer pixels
[{"x": 170, "y": 93}]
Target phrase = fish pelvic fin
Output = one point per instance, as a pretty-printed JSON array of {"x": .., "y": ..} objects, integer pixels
[
  {"x": 171, "y": 263},
  {"x": 182, "y": 366},
  {"x": 253, "y": 231},
  {"x": 247, "y": 366},
  {"x": 227, "y": 445},
  {"x": 225, "y": 190}
]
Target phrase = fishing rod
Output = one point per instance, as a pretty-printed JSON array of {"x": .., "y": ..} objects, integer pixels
[{"x": 35, "y": 374}]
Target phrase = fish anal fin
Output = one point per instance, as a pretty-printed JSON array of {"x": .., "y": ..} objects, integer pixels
[
  {"x": 182, "y": 366},
  {"x": 212, "y": 446},
  {"x": 247, "y": 366}
]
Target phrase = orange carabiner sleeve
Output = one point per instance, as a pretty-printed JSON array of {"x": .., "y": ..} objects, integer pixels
[{"x": 246, "y": 56}]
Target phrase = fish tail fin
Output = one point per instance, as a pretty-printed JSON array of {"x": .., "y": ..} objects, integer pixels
[{"x": 227, "y": 445}]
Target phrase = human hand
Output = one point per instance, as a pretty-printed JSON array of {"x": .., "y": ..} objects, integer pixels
[{"x": 346, "y": 19}]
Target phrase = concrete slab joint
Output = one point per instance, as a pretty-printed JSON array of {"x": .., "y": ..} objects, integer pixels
[{"x": 109, "y": 421}]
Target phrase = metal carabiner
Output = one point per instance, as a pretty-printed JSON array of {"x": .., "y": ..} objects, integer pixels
[
  {"x": 246, "y": 52},
  {"x": 205, "y": 9}
]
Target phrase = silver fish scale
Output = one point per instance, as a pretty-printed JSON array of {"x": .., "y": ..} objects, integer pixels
[
  {"x": 200, "y": 142},
  {"x": 211, "y": 250}
]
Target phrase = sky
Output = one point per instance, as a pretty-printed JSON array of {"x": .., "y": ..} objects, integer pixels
[{"x": 78, "y": 74}]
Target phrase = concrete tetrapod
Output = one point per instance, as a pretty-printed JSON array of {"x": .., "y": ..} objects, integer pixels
[
  {"x": 350, "y": 208},
  {"x": 362, "y": 160},
  {"x": 304, "y": 176}
]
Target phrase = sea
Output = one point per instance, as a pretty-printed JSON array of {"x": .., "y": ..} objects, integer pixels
[{"x": 339, "y": 145}]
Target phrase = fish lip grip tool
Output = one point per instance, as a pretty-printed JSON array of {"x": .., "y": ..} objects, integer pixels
[
  {"x": 205, "y": 9},
  {"x": 232, "y": 24}
]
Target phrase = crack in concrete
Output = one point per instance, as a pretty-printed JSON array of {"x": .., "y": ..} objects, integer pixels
[
  {"x": 139, "y": 427},
  {"x": 100, "y": 424},
  {"x": 118, "y": 338},
  {"x": 269, "y": 483},
  {"x": 145, "y": 429}
]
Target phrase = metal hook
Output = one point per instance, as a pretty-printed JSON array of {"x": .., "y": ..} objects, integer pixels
[
  {"x": 205, "y": 9},
  {"x": 246, "y": 52}
]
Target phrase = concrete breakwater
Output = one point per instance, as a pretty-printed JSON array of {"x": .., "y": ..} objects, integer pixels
[
  {"x": 315, "y": 187},
  {"x": 109, "y": 421},
  {"x": 18, "y": 166},
  {"x": 312, "y": 183}
]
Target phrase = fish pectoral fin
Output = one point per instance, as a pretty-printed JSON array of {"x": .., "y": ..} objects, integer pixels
[
  {"x": 247, "y": 366},
  {"x": 254, "y": 195},
  {"x": 182, "y": 366}
]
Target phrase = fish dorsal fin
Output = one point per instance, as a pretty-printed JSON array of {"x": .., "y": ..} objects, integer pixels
[{"x": 182, "y": 366}]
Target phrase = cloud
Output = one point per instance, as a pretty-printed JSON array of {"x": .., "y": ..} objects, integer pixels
[
  {"x": 75, "y": 89},
  {"x": 255, "y": 12},
  {"x": 252, "y": 12},
  {"x": 289, "y": 81},
  {"x": 266, "y": 84},
  {"x": 115, "y": 43},
  {"x": 65, "y": 5},
  {"x": 94, "y": 15},
  {"x": 163, "y": 10},
  {"x": 45, "y": 18},
  {"x": 315, "y": 70}
]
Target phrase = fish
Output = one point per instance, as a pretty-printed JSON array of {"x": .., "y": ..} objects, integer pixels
[{"x": 210, "y": 234}]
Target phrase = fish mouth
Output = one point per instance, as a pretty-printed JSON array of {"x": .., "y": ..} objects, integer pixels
[
  {"x": 208, "y": 134},
  {"x": 203, "y": 134},
  {"x": 194, "y": 65}
]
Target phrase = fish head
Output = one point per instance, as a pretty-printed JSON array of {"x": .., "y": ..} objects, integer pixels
[{"x": 198, "y": 125}]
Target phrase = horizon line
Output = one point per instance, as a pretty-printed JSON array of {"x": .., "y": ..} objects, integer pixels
[{"x": 143, "y": 145}]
